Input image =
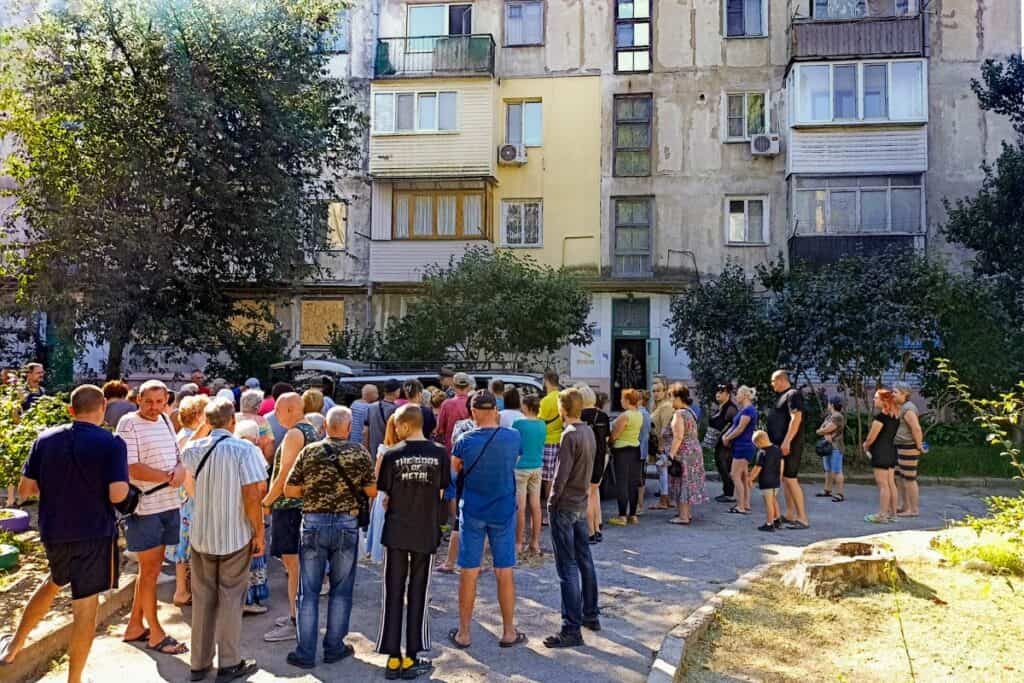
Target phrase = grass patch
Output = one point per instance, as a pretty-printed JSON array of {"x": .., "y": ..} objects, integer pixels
[
  {"x": 1004, "y": 555},
  {"x": 959, "y": 625}
]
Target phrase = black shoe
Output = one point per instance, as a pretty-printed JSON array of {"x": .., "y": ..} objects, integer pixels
[
  {"x": 564, "y": 639},
  {"x": 777, "y": 524},
  {"x": 293, "y": 659},
  {"x": 725, "y": 499},
  {"x": 766, "y": 527},
  {"x": 592, "y": 624},
  {"x": 393, "y": 674},
  {"x": 592, "y": 539},
  {"x": 600, "y": 536},
  {"x": 419, "y": 667},
  {"x": 244, "y": 668},
  {"x": 199, "y": 674},
  {"x": 347, "y": 652}
]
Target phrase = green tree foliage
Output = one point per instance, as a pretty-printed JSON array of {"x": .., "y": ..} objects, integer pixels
[
  {"x": 491, "y": 307},
  {"x": 167, "y": 150},
  {"x": 19, "y": 430},
  {"x": 355, "y": 344},
  {"x": 250, "y": 350}
]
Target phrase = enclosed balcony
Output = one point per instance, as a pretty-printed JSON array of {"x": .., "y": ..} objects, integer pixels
[
  {"x": 423, "y": 56},
  {"x": 855, "y": 29},
  {"x": 821, "y": 250}
]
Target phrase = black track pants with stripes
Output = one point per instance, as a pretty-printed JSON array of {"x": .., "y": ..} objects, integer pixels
[{"x": 405, "y": 589}]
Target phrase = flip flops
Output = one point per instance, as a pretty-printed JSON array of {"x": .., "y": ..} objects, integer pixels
[
  {"x": 144, "y": 636},
  {"x": 838, "y": 498},
  {"x": 452, "y": 635},
  {"x": 6, "y": 641},
  {"x": 736, "y": 511},
  {"x": 519, "y": 640}
]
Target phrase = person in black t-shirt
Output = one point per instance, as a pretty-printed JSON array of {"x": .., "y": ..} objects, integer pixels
[
  {"x": 767, "y": 468},
  {"x": 785, "y": 429},
  {"x": 414, "y": 475}
]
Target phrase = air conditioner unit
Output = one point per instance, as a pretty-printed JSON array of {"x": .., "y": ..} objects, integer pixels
[
  {"x": 764, "y": 145},
  {"x": 512, "y": 155}
]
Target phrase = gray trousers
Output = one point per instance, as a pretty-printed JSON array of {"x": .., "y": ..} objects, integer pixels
[{"x": 219, "y": 583}]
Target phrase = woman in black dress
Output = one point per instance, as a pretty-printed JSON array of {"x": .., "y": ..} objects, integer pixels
[
  {"x": 880, "y": 448},
  {"x": 601, "y": 424}
]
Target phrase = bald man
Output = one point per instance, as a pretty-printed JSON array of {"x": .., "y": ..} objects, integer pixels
[{"x": 285, "y": 511}]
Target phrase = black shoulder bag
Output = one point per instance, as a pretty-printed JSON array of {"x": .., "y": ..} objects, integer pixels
[
  {"x": 460, "y": 484},
  {"x": 363, "y": 500},
  {"x": 131, "y": 502}
]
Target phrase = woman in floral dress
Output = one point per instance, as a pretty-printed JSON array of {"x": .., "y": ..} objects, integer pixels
[{"x": 686, "y": 457}]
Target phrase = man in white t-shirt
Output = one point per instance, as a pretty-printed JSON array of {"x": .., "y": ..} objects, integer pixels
[{"x": 155, "y": 467}]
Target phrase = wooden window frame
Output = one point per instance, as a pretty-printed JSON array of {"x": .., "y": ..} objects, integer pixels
[
  {"x": 745, "y": 94},
  {"x": 765, "y": 220},
  {"x": 651, "y": 218},
  {"x": 485, "y": 228},
  {"x": 649, "y": 48},
  {"x": 615, "y": 134},
  {"x": 540, "y": 223}
]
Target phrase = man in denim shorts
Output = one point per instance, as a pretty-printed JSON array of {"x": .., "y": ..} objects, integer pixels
[
  {"x": 485, "y": 459},
  {"x": 154, "y": 465}
]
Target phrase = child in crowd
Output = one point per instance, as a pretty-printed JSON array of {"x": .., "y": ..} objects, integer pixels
[{"x": 767, "y": 471}]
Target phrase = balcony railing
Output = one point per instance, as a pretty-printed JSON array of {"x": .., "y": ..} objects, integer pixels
[
  {"x": 818, "y": 250},
  {"x": 883, "y": 36},
  {"x": 434, "y": 55}
]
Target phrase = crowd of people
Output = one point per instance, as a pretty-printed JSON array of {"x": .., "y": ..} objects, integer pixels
[{"x": 221, "y": 477}]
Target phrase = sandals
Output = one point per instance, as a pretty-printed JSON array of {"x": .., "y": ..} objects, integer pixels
[
  {"x": 838, "y": 498},
  {"x": 676, "y": 520},
  {"x": 6, "y": 641},
  {"x": 824, "y": 494},
  {"x": 875, "y": 519},
  {"x": 452, "y": 635},
  {"x": 139, "y": 638},
  {"x": 176, "y": 648},
  {"x": 519, "y": 640},
  {"x": 736, "y": 511}
]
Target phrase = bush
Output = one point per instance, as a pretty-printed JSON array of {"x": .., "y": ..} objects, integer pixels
[{"x": 18, "y": 431}]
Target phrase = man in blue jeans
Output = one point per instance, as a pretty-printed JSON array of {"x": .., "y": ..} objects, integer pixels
[
  {"x": 485, "y": 460},
  {"x": 567, "y": 508},
  {"x": 329, "y": 534}
]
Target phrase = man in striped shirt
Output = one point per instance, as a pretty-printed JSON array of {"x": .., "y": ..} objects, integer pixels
[
  {"x": 154, "y": 467},
  {"x": 227, "y": 480}
]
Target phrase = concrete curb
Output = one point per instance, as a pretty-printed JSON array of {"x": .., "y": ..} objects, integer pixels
[
  {"x": 960, "y": 482},
  {"x": 40, "y": 651},
  {"x": 668, "y": 663}
]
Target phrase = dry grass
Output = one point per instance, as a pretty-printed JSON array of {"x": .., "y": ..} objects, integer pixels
[{"x": 959, "y": 625}]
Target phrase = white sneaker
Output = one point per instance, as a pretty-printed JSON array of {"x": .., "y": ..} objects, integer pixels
[
  {"x": 280, "y": 633},
  {"x": 255, "y": 608},
  {"x": 284, "y": 621}
]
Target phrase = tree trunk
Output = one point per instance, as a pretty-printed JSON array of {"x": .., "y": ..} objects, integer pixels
[{"x": 115, "y": 353}]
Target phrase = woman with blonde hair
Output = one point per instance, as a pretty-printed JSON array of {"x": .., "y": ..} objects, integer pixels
[
  {"x": 601, "y": 424},
  {"x": 374, "y": 548},
  {"x": 193, "y": 427},
  {"x": 739, "y": 438},
  {"x": 880, "y": 448},
  {"x": 626, "y": 457},
  {"x": 313, "y": 406}
]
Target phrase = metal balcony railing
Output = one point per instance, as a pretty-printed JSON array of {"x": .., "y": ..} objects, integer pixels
[
  {"x": 825, "y": 249},
  {"x": 434, "y": 55}
]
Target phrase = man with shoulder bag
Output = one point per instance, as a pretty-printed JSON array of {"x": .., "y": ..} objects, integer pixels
[
  {"x": 334, "y": 478},
  {"x": 226, "y": 479},
  {"x": 78, "y": 471}
]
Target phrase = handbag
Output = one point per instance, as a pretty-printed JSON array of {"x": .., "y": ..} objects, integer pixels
[
  {"x": 131, "y": 502},
  {"x": 711, "y": 438},
  {"x": 363, "y": 500},
  {"x": 675, "y": 468},
  {"x": 823, "y": 447}
]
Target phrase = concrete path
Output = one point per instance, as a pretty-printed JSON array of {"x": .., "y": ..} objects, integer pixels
[{"x": 651, "y": 577}]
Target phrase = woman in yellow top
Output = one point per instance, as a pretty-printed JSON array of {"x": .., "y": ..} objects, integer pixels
[{"x": 626, "y": 457}]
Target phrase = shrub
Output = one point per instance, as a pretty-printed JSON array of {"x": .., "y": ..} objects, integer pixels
[{"x": 18, "y": 431}]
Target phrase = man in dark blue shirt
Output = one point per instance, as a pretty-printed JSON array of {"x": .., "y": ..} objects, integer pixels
[
  {"x": 485, "y": 459},
  {"x": 77, "y": 470}
]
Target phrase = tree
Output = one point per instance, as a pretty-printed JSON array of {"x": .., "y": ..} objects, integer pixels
[
  {"x": 168, "y": 151},
  {"x": 723, "y": 325},
  {"x": 251, "y": 348},
  {"x": 18, "y": 430},
  {"x": 355, "y": 344},
  {"x": 488, "y": 307}
]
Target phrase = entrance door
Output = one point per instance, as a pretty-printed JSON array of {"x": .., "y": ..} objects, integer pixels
[{"x": 630, "y": 330}]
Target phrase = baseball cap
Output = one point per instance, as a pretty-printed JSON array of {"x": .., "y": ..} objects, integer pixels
[
  {"x": 483, "y": 400},
  {"x": 462, "y": 379},
  {"x": 447, "y": 372},
  {"x": 391, "y": 386},
  {"x": 252, "y": 383}
]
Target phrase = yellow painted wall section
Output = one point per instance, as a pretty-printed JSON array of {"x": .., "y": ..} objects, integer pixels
[
  {"x": 565, "y": 171},
  {"x": 470, "y": 150}
]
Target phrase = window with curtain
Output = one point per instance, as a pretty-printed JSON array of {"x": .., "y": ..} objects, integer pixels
[
  {"x": 745, "y": 18},
  {"x": 875, "y": 91},
  {"x": 521, "y": 223},
  {"x": 632, "y": 36},
  {"x": 858, "y": 204},
  {"x": 438, "y": 214},
  {"x": 746, "y": 115},
  {"x": 524, "y": 23},
  {"x": 632, "y": 135},
  {"x": 747, "y": 220}
]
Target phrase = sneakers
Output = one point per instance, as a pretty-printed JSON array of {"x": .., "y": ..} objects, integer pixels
[
  {"x": 416, "y": 668},
  {"x": 766, "y": 527},
  {"x": 284, "y": 621},
  {"x": 633, "y": 519},
  {"x": 280, "y": 634},
  {"x": 617, "y": 521},
  {"x": 393, "y": 669},
  {"x": 256, "y": 608},
  {"x": 777, "y": 523},
  {"x": 564, "y": 639},
  {"x": 294, "y": 659},
  {"x": 592, "y": 624}
]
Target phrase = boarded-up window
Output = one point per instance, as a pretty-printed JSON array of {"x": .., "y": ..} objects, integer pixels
[
  {"x": 337, "y": 225},
  {"x": 251, "y": 311},
  {"x": 318, "y": 316}
]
